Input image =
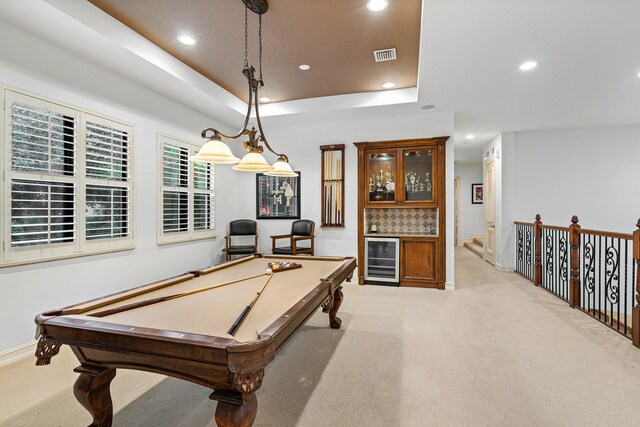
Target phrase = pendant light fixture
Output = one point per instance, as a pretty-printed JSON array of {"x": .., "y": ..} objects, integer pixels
[{"x": 215, "y": 150}]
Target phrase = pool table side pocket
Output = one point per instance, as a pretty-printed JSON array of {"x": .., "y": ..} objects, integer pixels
[{"x": 326, "y": 294}]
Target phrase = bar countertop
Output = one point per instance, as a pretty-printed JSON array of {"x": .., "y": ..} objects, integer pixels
[{"x": 402, "y": 234}]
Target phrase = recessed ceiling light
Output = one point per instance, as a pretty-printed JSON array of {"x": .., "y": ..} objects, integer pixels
[
  {"x": 470, "y": 136},
  {"x": 264, "y": 99},
  {"x": 377, "y": 5},
  {"x": 388, "y": 85},
  {"x": 529, "y": 65},
  {"x": 638, "y": 73},
  {"x": 304, "y": 67},
  {"x": 428, "y": 107},
  {"x": 185, "y": 39}
]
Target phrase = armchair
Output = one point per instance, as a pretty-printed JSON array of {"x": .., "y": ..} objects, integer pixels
[
  {"x": 241, "y": 227},
  {"x": 301, "y": 230}
]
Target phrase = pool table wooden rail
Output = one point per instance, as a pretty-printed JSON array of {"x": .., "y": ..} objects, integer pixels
[{"x": 233, "y": 369}]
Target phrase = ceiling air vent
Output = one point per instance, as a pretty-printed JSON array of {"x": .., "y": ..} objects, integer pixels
[{"x": 385, "y": 54}]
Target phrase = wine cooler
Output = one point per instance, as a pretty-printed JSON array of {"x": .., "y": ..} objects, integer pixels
[{"x": 381, "y": 256}]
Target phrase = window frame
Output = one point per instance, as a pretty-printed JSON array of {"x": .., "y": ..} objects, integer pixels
[
  {"x": 191, "y": 234},
  {"x": 80, "y": 246}
]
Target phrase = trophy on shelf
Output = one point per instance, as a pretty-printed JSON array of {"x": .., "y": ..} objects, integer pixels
[
  {"x": 380, "y": 184},
  {"x": 390, "y": 185},
  {"x": 410, "y": 181}
]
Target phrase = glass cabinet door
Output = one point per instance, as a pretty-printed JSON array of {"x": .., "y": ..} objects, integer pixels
[
  {"x": 418, "y": 175},
  {"x": 381, "y": 168},
  {"x": 381, "y": 259}
]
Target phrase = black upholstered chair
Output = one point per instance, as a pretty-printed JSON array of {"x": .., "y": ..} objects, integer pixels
[
  {"x": 241, "y": 227},
  {"x": 301, "y": 229}
]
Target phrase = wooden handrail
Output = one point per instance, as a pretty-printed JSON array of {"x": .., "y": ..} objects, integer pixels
[
  {"x": 607, "y": 234},
  {"x": 554, "y": 227},
  {"x": 523, "y": 223}
]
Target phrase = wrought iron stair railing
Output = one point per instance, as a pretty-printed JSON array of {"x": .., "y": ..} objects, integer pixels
[{"x": 594, "y": 271}]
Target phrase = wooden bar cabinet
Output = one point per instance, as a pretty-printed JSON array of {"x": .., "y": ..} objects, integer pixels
[{"x": 401, "y": 195}]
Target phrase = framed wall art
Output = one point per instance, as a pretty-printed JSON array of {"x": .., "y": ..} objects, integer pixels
[
  {"x": 277, "y": 197},
  {"x": 477, "y": 194}
]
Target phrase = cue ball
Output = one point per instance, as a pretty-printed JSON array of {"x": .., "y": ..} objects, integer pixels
[{"x": 269, "y": 271}]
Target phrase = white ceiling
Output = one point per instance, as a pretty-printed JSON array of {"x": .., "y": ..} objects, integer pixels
[{"x": 588, "y": 53}]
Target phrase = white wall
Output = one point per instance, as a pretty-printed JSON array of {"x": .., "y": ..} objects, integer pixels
[
  {"x": 592, "y": 173},
  {"x": 471, "y": 217},
  {"x": 300, "y": 137},
  {"x": 29, "y": 63}
]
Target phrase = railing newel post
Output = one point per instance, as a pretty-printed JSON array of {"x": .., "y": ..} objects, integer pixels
[
  {"x": 635, "y": 319},
  {"x": 537, "y": 234},
  {"x": 574, "y": 241}
]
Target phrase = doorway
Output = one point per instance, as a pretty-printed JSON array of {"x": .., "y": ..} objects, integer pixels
[{"x": 489, "y": 253}]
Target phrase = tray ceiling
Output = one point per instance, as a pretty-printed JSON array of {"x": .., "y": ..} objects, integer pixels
[{"x": 335, "y": 37}]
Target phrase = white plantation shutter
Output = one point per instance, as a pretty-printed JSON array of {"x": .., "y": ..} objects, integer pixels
[
  {"x": 203, "y": 196},
  {"x": 42, "y": 141},
  {"x": 107, "y": 212},
  {"x": 67, "y": 182},
  {"x": 175, "y": 211},
  {"x": 42, "y": 212},
  {"x": 107, "y": 152},
  {"x": 175, "y": 195},
  {"x": 202, "y": 212},
  {"x": 108, "y": 182},
  {"x": 186, "y": 193}
]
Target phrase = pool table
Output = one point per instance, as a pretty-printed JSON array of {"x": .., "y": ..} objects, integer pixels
[{"x": 148, "y": 328}]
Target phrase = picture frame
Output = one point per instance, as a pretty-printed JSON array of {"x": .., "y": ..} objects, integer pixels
[
  {"x": 277, "y": 197},
  {"x": 477, "y": 194}
]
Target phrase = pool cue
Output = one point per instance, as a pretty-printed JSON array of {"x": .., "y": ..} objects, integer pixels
[
  {"x": 333, "y": 191},
  {"x": 150, "y": 301},
  {"x": 232, "y": 330},
  {"x": 339, "y": 184},
  {"x": 333, "y": 187},
  {"x": 337, "y": 190},
  {"x": 324, "y": 187},
  {"x": 330, "y": 189}
]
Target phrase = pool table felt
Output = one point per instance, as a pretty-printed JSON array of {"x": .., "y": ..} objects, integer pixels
[{"x": 213, "y": 312}]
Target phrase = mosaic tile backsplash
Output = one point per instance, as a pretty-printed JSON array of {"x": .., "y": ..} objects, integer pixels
[{"x": 402, "y": 220}]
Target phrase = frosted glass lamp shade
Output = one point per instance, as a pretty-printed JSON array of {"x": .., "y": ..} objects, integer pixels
[
  {"x": 281, "y": 168},
  {"x": 253, "y": 161},
  {"x": 215, "y": 151}
]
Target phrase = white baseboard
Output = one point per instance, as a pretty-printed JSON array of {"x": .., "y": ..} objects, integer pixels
[
  {"x": 17, "y": 353},
  {"x": 505, "y": 269},
  {"x": 449, "y": 286}
]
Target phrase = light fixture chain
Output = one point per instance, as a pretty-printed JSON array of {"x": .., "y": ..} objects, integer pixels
[
  {"x": 246, "y": 36},
  {"x": 260, "y": 37}
]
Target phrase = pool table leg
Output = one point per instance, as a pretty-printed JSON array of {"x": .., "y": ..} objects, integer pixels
[
  {"x": 92, "y": 391},
  {"x": 238, "y": 407},
  {"x": 234, "y": 415},
  {"x": 332, "y": 305}
]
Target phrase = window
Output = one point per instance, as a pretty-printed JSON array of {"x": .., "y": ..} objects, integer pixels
[
  {"x": 186, "y": 197},
  {"x": 67, "y": 182}
]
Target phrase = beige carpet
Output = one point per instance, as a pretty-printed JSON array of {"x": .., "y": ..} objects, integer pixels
[{"x": 497, "y": 351}]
